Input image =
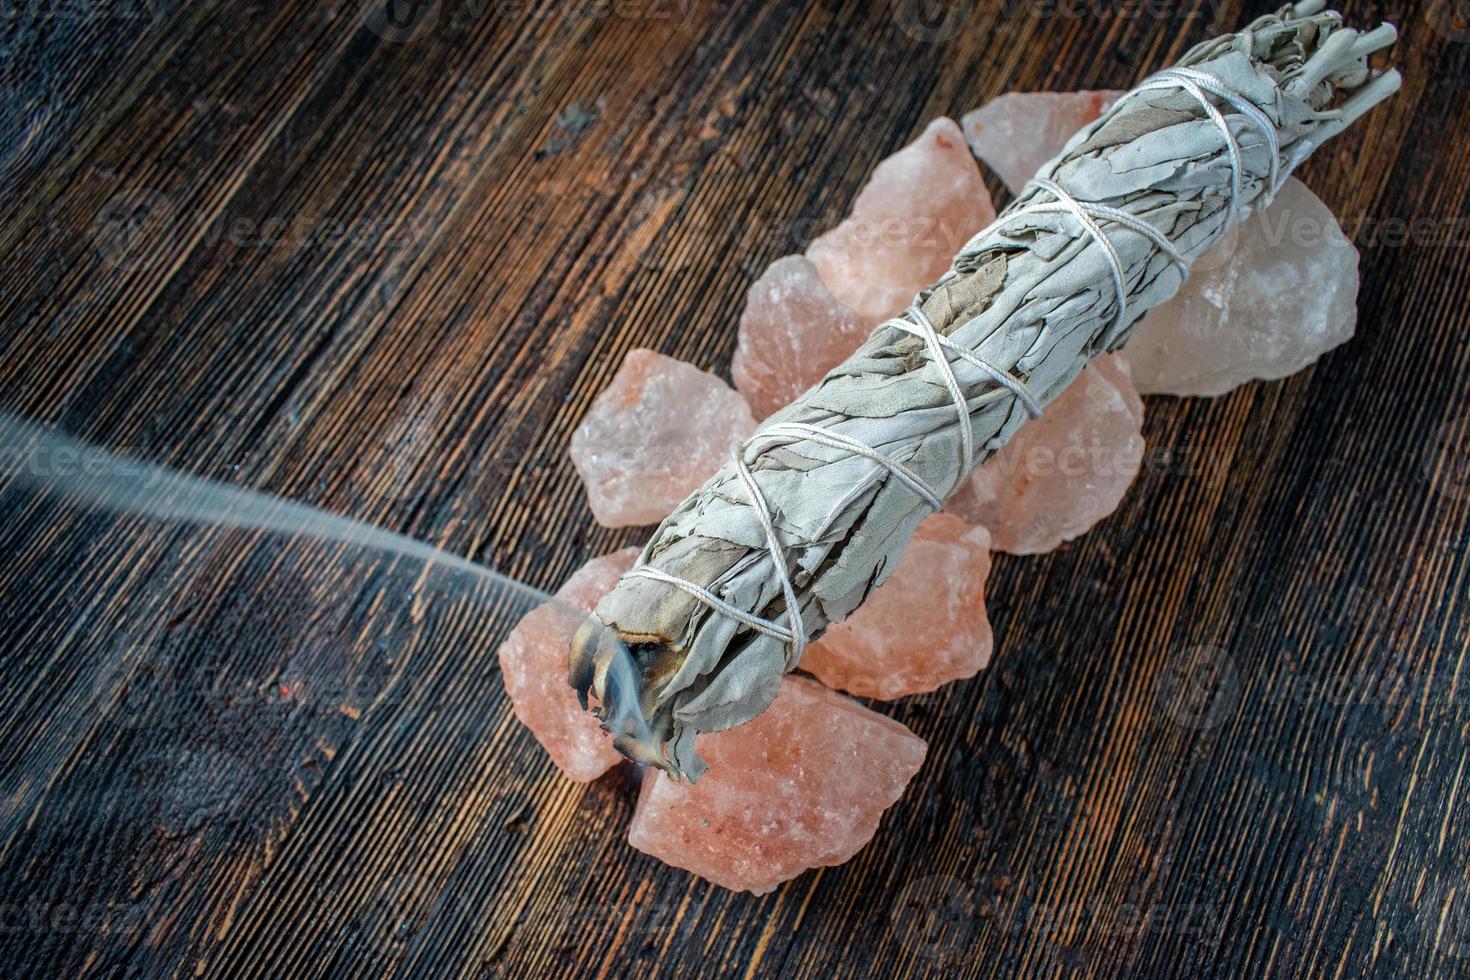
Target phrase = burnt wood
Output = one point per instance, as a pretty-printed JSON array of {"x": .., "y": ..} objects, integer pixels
[{"x": 384, "y": 270}]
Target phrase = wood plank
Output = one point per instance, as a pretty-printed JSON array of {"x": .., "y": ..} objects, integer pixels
[{"x": 388, "y": 278}]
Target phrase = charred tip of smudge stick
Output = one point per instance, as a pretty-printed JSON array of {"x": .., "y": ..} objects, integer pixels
[
  {"x": 644, "y": 752},
  {"x": 582, "y": 658},
  {"x": 601, "y": 666}
]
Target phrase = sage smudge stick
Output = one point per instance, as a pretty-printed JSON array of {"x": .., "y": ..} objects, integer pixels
[{"x": 814, "y": 510}]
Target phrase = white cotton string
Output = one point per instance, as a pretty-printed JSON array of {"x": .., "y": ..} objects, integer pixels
[
  {"x": 1232, "y": 145},
  {"x": 1005, "y": 380},
  {"x": 1085, "y": 212},
  {"x": 1110, "y": 252},
  {"x": 946, "y": 371},
  {"x": 1193, "y": 81},
  {"x": 715, "y": 602},
  {"x": 1244, "y": 106},
  {"x": 788, "y": 433},
  {"x": 778, "y": 553},
  {"x": 785, "y": 433},
  {"x": 794, "y": 632},
  {"x": 1197, "y": 83},
  {"x": 1115, "y": 215}
]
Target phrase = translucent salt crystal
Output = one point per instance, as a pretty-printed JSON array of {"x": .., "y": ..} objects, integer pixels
[
  {"x": 659, "y": 430},
  {"x": 1268, "y": 300},
  {"x": 533, "y": 662},
  {"x": 1062, "y": 473},
  {"x": 923, "y": 627},
  {"x": 918, "y": 208},
  {"x": 801, "y": 786},
  {"x": 792, "y": 332},
  {"x": 1017, "y": 132}
]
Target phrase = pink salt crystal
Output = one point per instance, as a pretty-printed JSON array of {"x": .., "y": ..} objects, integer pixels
[
  {"x": 1265, "y": 302},
  {"x": 923, "y": 627},
  {"x": 800, "y": 786},
  {"x": 533, "y": 662},
  {"x": 1017, "y": 132},
  {"x": 1061, "y": 474},
  {"x": 918, "y": 208},
  {"x": 792, "y": 332},
  {"x": 659, "y": 430}
]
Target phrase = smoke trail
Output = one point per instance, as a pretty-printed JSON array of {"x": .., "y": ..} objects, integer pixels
[
  {"x": 92, "y": 476},
  {"x": 85, "y": 474}
]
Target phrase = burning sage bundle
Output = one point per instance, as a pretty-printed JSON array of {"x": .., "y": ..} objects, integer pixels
[{"x": 813, "y": 511}]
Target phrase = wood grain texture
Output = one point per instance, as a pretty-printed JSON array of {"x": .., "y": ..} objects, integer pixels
[{"x": 264, "y": 243}]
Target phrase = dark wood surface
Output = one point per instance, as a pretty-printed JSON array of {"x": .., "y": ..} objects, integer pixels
[{"x": 261, "y": 242}]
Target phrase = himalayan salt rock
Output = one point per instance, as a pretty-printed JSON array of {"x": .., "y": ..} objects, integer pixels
[
  {"x": 1062, "y": 473},
  {"x": 793, "y": 331},
  {"x": 659, "y": 430},
  {"x": 533, "y": 662},
  {"x": 1017, "y": 132},
  {"x": 1265, "y": 302},
  {"x": 800, "y": 786},
  {"x": 918, "y": 208},
  {"x": 923, "y": 627}
]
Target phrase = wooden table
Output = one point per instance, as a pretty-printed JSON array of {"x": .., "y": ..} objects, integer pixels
[{"x": 386, "y": 275}]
